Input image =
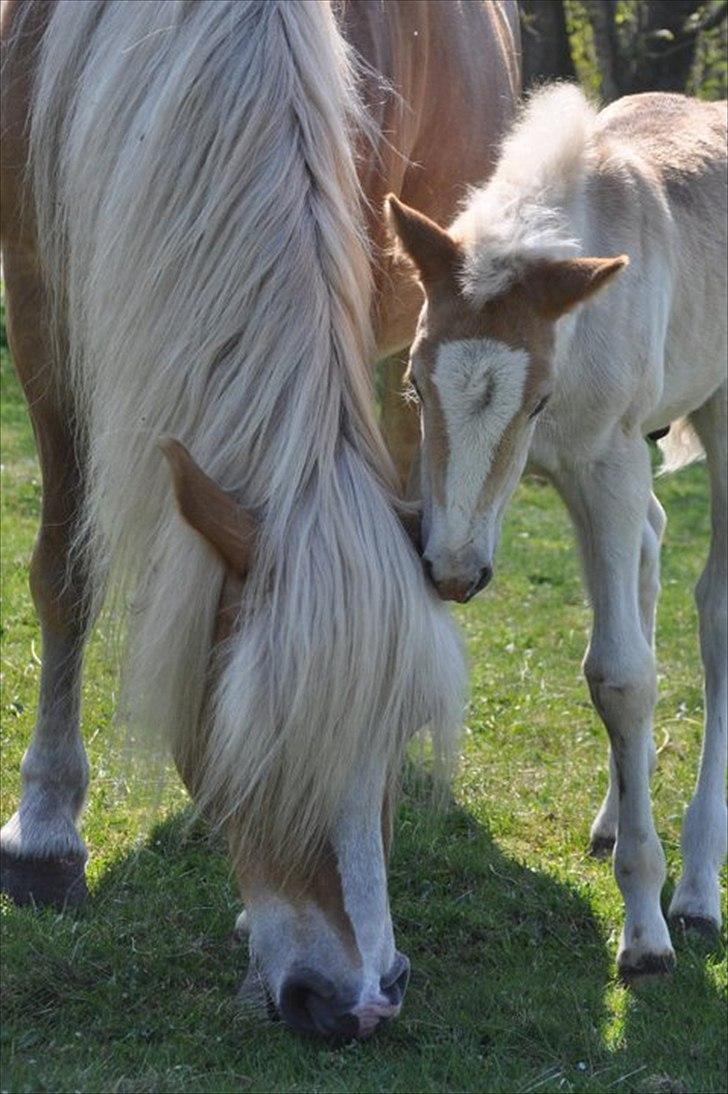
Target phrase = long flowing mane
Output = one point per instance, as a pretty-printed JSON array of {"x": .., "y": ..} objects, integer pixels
[
  {"x": 520, "y": 215},
  {"x": 200, "y": 224}
]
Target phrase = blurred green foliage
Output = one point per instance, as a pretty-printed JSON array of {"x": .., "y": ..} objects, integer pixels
[
  {"x": 3, "y": 331},
  {"x": 581, "y": 40},
  {"x": 621, "y": 47},
  {"x": 709, "y": 77}
]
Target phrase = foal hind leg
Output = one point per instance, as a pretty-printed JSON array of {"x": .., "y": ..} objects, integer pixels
[
  {"x": 696, "y": 901},
  {"x": 604, "y": 829},
  {"x": 42, "y": 856},
  {"x": 609, "y": 499}
]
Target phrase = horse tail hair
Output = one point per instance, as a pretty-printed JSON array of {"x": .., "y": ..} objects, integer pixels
[
  {"x": 680, "y": 447},
  {"x": 194, "y": 176}
]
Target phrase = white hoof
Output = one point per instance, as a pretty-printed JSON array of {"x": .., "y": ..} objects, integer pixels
[
  {"x": 695, "y": 905},
  {"x": 645, "y": 952}
]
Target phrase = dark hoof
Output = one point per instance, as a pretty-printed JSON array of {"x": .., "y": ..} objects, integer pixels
[
  {"x": 697, "y": 926},
  {"x": 647, "y": 968},
  {"x": 601, "y": 846},
  {"x": 56, "y": 883}
]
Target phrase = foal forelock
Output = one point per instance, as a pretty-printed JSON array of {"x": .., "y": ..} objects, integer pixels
[
  {"x": 519, "y": 216},
  {"x": 197, "y": 199}
]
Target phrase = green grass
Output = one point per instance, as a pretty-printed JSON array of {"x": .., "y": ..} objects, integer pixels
[{"x": 512, "y": 930}]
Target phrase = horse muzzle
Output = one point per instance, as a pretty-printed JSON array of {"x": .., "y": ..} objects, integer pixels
[{"x": 310, "y": 1004}]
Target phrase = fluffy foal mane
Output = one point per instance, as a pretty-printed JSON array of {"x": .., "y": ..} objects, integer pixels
[
  {"x": 518, "y": 217},
  {"x": 199, "y": 216}
]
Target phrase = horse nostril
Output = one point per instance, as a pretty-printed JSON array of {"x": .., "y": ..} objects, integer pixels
[
  {"x": 394, "y": 984},
  {"x": 308, "y": 1004},
  {"x": 484, "y": 579},
  {"x": 428, "y": 568}
]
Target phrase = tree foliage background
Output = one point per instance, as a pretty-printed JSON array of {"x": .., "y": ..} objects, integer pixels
[{"x": 623, "y": 47}]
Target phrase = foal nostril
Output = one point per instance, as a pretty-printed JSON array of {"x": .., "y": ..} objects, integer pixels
[
  {"x": 308, "y": 1004},
  {"x": 394, "y": 985}
]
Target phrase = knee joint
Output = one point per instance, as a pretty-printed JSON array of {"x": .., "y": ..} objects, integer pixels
[
  {"x": 629, "y": 669},
  {"x": 650, "y": 557},
  {"x": 620, "y": 688}
]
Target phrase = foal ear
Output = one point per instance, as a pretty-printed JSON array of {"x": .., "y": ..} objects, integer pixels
[
  {"x": 559, "y": 286},
  {"x": 433, "y": 251},
  {"x": 210, "y": 510}
]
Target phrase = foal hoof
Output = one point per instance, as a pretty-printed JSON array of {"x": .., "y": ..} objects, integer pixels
[
  {"x": 644, "y": 969},
  {"x": 601, "y": 846},
  {"x": 56, "y": 883},
  {"x": 697, "y": 926}
]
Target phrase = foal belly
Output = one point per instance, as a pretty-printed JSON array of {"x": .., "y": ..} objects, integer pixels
[
  {"x": 695, "y": 350},
  {"x": 691, "y": 377}
]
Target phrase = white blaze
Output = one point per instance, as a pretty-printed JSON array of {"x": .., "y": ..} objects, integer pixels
[{"x": 480, "y": 383}]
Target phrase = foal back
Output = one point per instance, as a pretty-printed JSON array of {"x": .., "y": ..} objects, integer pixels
[{"x": 669, "y": 151}]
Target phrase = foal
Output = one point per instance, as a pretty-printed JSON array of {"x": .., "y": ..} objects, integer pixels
[{"x": 516, "y": 363}]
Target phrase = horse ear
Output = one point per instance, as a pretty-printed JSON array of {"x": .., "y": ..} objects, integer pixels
[
  {"x": 559, "y": 286},
  {"x": 433, "y": 251},
  {"x": 210, "y": 510}
]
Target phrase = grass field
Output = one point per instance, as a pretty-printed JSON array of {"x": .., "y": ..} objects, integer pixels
[{"x": 511, "y": 929}]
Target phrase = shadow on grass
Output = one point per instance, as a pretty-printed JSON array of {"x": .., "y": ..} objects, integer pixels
[{"x": 511, "y": 974}]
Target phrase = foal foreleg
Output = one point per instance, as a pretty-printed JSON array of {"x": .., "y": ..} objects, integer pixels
[
  {"x": 609, "y": 500},
  {"x": 41, "y": 853},
  {"x": 604, "y": 829},
  {"x": 696, "y": 901}
]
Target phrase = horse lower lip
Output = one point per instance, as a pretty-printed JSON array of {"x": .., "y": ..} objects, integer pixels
[{"x": 371, "y": 1016}]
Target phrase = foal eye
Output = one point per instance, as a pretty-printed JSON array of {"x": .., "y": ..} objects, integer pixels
[{"x": 539, "y": 408}]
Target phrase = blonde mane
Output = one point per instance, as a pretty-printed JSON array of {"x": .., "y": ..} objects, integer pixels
[
  {"x": 519, "y": 215},
  {"x": 199, "y": 220}
]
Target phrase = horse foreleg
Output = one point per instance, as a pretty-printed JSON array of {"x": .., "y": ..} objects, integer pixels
[
  {"x": 609, "y": 500},
  {"x": 696, "y": 901},
  {"x": 603, "y": 832},
  {"x": 42, "y": 855}
]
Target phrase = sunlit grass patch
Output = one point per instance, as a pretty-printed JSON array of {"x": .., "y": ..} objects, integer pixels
[{"x": 511, "y": 928}]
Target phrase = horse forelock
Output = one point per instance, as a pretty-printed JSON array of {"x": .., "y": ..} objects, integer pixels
[{"x": 197, "y": 200}]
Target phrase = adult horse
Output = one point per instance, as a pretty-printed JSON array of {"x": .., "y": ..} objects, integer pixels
[
  {"x": 185, "y": 256},
  {"x": 516, "y": 363}
]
